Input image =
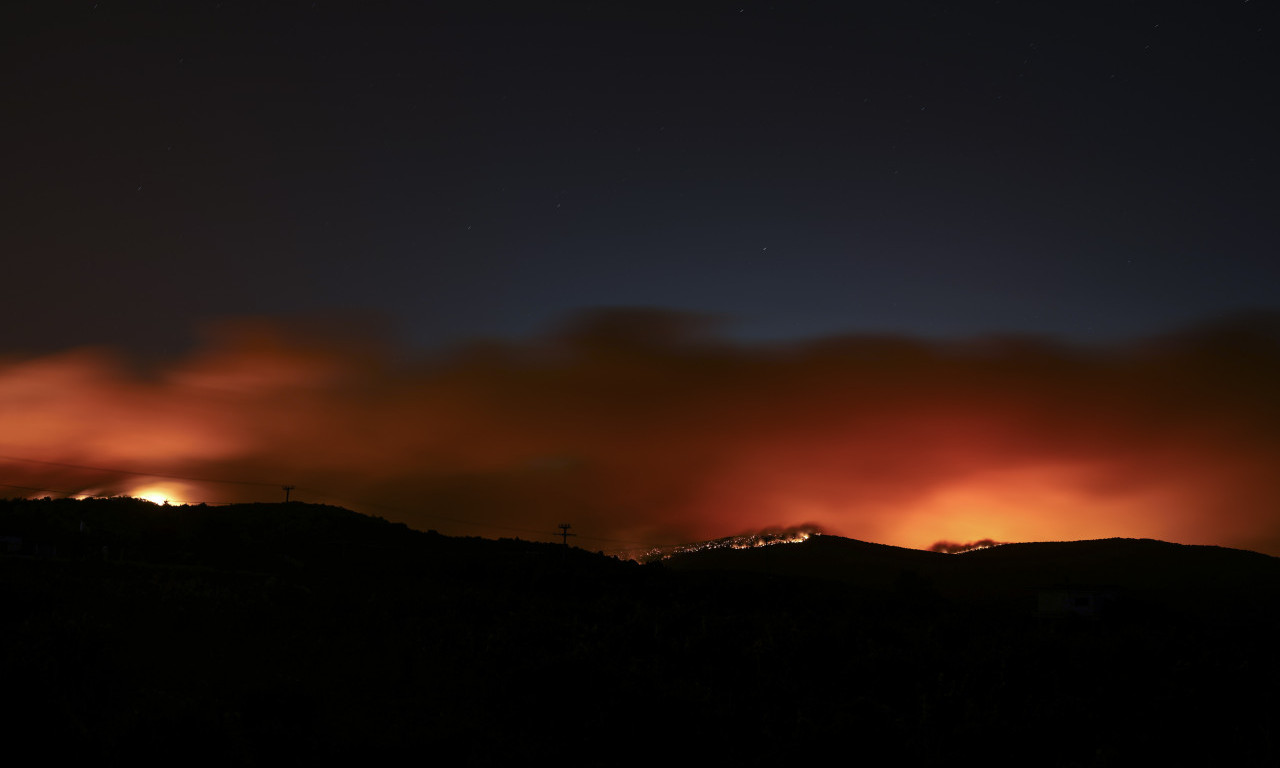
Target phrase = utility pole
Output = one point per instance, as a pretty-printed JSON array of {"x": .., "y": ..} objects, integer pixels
[
  {"x": 564, "y": 533},
  {"x": 286, "y": 489}
]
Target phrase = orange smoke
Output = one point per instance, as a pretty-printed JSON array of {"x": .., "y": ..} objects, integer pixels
[{"x": 636, "y": 426}]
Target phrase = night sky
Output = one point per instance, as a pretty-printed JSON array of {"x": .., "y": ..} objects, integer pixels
[{"x": 561, "y": 225}]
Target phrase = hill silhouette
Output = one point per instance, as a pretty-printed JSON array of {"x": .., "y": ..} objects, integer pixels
[
  {"x": 1192, "y": 576},
  {"x": 288, "y": 632}
]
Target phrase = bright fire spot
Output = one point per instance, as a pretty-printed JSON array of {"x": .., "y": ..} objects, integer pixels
[
  {"x": 160, "y": 493},
  {"x": 1040, "y": 504},
  {"x": 956, "y": 547},
  {"x": 764, "y": 538}
]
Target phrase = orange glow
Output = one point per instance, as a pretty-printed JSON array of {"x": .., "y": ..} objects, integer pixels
[
  {"x": 1034, "y": 504},
  {"x": 637, "y": 429},
  {"x": 160, "y": 493}
]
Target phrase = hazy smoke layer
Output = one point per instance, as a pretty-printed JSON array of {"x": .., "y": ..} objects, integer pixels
[{"x": 639, "y": 426}]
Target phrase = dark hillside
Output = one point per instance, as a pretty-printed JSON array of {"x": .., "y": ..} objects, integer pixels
[
  {"x": 289, "y": 632},
  {"x": 1185, "y": 576},
  {"x": 1191, "y": 577}
]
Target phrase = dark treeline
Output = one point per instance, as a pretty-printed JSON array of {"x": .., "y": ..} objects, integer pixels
[{"x": 269, "y": 633}]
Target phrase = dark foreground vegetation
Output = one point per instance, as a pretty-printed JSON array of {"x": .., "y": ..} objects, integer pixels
[{"x": 282, "y": 633}]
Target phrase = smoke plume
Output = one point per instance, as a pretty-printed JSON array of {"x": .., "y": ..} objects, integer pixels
[{"x": 643, "y": 428}]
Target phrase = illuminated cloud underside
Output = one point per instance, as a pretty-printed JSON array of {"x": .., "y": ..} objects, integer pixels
[{"x": 637, "y": 428}]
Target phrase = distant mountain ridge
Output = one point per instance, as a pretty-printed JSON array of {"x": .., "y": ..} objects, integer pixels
[
  {"x": 276, "y": 633},
  {"x": 284, "y": 535},
  {"x": 1147, "y": 566}
]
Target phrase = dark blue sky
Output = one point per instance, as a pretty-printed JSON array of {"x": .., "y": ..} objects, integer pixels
[{"x": 1094, "y": 171}]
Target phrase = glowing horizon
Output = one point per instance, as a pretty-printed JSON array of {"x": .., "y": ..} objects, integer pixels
[{"x": 639, "y": 435}]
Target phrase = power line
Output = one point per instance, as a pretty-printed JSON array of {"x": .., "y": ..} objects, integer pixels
[
  {"x": 313, "y": 492},
  {"x": 423, "y": 513},
  {"x": 136, "y": 474},
  {"x": 37, "y": 490}
]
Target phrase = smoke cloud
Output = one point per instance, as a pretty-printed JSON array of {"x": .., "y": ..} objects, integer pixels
[{"x": 642, "y": 427}]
